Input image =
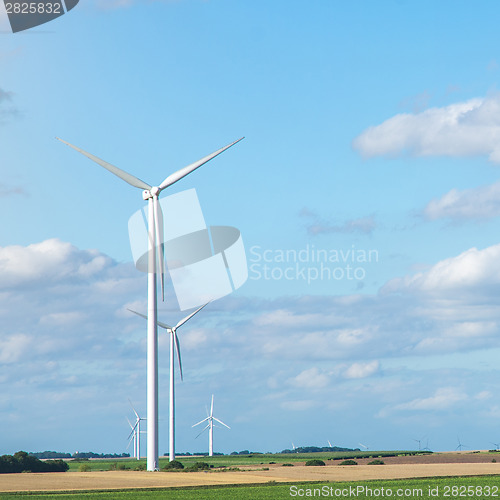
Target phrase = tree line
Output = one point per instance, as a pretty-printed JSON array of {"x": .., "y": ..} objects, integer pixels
[{"x": 24, "y": 462}]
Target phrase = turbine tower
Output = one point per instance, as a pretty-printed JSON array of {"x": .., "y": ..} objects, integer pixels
[
  {"x": 210, "y": 426},
  {"x": 174, "y": 339},
  {"x": 155, "y": 241}
]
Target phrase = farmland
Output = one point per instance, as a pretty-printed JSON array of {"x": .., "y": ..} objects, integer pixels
[
  {"x": 229, "y": 471},
  {"x": 478, "y": 487}
]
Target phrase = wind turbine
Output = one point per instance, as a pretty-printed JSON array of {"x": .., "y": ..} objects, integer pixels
[
  {"x": 155, "y": 240},
  {"x": 174, "y": 339},
  {"x": 132, "y": 436},
  {"x": 426, "y": 446},
  {"x": 497, "y": 445},
  {"x": 210, "y": 426},
  {"x": 293, "y": 447},
  {"x": 329, "y": 444},
  {"x": 362, "y": 445},
  {"x": 419, "y": 441},
  {"x": 136, "y": 431},
  {"x": 460, "y": 446}
]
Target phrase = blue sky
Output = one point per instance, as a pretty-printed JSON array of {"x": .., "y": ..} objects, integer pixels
[{"x": 368, "y": 128}]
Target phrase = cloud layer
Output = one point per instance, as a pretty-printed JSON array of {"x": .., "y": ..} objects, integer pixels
[{"x": 69, "y": 347}]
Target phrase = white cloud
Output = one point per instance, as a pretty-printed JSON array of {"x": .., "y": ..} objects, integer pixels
[
  {"x": 362, "y": 370},
  {"x": 13, "y": 347},
  {"x": 47, "y": 263},
  {"x": 442, "y": 399},
  {"x": 472, "y": 269},
  {"x": 477, "y": 203},
  {"x": 470, "y": 128},
  {"x": 310, "y": 379}
]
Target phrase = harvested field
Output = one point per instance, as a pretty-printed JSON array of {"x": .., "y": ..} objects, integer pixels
[{"x": 446, "y": 464}]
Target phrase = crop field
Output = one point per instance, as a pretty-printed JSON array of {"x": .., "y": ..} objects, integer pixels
[
  {"x": 426, "y": 489},
  {"x": 231, "y": 475},
  {"x": 238, "y": 460}
]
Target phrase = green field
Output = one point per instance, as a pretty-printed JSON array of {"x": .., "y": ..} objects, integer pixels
[
  {"x": 238, "y": 460},
  {"x": 470, "y": 487}
]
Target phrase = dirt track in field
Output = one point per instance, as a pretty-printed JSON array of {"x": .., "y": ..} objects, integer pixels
[{"x": 401, "y": 467}]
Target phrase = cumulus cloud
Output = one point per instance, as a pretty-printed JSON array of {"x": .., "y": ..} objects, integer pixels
[
  {"x": 48, "y": 263},
  {"x": 473, "y": 270},
  {"x": 469, "y": 204},
  {"x": 442, "y": 399},
  {"x": 362, "y": 370},
  {"x": 310, "y": 379},
  {"x": 469, "y": 128}
]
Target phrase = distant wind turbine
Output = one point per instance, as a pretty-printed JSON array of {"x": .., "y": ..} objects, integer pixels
[
  {"x": 210, "y": 426},
  {"x": 136, "y": 432},
  {"x": 363, "y": 446},
  {"x": 330, "y": 444},
  {"x": 460, "y": 446},
  {"x": 174, "y": 340},
  {"x": 156, "y": 265},
  {"x": 497, "y": 445},
  {"x": 419, "y": 441},
  {"x": 426, "y": 446},
  {"x": 132, "y": 437}
]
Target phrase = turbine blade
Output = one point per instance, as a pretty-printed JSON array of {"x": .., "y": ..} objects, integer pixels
[
  {"x": 212, "y": 407},
  {"x": 159, "y": 323},
  {"x": 178, "y": 349},
  {"x": 200, "y": 422},
  {"x": 221, "y": 422},
  {"x": 176, "y": 176},
  {"x": 187, "y": 318},
  {"x": 133, "y": 430},
  {"x": 159, "y": 243},
  {"x": 129, "y": 178},
  {"x": 202, "y": 431},
  {"x": 136, "y": 414}
]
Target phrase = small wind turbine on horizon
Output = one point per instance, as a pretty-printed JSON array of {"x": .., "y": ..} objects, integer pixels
[
  {"x": 460, "y": 446},
  {"x": 497, "y": 445},
  {"x": 419, "y": 441},
  {"x": 329, "y": 444},
  {"x": 155, "y": 264},
  {"x": 210, "y": 426},
  {"x": 174, "y": 340},
  {"x": 363, "y": 446}
]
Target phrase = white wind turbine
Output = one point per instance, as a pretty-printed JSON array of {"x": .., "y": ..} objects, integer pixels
[
  {"x": 174, "y": 339},
  {"x": 136, "y": 432},
  {"x": 210, "y": 426},
  {"x": 132, "y": 436},
  {"x": 155, "y": 240}
]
